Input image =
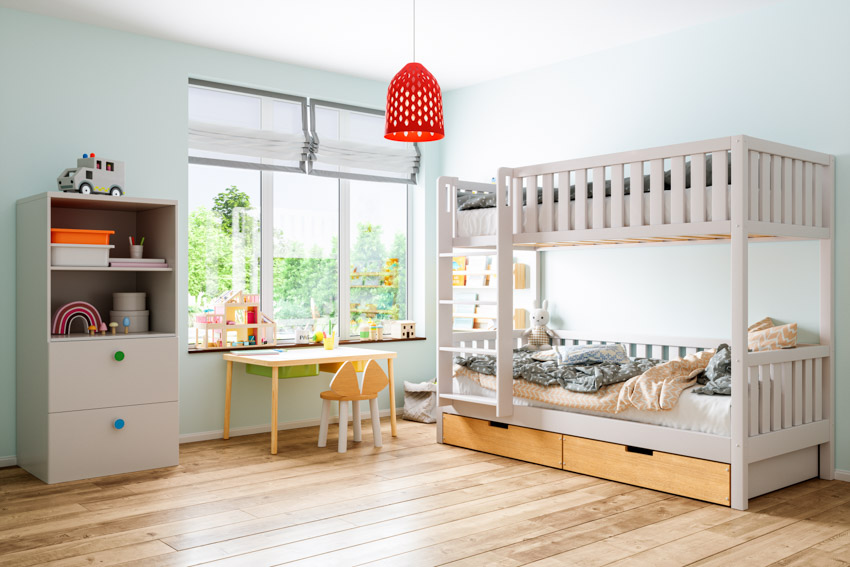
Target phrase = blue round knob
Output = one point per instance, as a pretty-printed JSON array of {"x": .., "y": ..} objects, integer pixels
[{"x": 118, "y": 424}]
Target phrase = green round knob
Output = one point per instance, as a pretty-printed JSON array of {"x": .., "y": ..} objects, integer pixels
[{"x": 119, "y": 355}]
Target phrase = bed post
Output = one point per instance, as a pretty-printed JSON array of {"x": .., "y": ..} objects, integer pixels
[
  {"x": 505, "y": 298},
  {"x": 827, "y": 255},
  {"x": 445, "y": 232},
  {"x": 739, "y": 267}
]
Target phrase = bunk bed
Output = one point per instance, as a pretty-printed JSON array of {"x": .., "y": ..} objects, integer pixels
[{"x": 780, "y": 427}]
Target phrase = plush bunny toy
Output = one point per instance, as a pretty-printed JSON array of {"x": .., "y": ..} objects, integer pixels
[{"x": 539, "y": 335}]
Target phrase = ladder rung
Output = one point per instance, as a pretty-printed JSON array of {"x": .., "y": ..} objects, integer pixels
[
  {"x": 475, "y": 302},
  {"x": 469, "y": 398},
  {"x": 469, "y": 350},
  {"x": 470, "y": 253}
]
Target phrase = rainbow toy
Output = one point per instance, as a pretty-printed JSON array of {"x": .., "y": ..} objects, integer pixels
[{"x": 70, "y": 311}]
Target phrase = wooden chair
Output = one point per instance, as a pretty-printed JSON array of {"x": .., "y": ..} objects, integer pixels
[{"x": 344, "y": 388}]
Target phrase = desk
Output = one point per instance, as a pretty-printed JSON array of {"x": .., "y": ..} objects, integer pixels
[{"x": 328, "y": 361}]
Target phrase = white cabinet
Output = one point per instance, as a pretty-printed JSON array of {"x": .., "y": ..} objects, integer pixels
[{"x": 90, "y": 406}]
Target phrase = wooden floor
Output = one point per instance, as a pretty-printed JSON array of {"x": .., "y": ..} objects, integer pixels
[{"x": 413, "y": 502}]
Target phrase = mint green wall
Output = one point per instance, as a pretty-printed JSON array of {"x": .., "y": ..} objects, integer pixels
[
  {"x": 67, "y": 88},
  {"x": 778, "y": 73}
]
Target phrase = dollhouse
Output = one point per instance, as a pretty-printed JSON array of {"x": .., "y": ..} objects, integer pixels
[{"x": 235, "y": 321}]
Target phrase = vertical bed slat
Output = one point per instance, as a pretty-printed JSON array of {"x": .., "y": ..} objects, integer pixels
[
  {"x": 787, "y": 395},
  {"x": 764, "y": 186},
  {"x": 598, "y": 197},
  {"x": 617, "y": 198},
  {"x": 818, "y": 188},
  {"x": 776, "y": 188},
  {"x": 636, "y": 194},
  {"x": 798, "y": 392},
  {"x": 754, "y": 400},
  {"x": 640, "y": 351},
  {"x": 656, "y": 192},
  {"x": 677, "y": 189},
  {"x": 818, "y": 377},
  {"x": 808, "y": 391},
  {"x": 453, "y": 207},
  {"x": 548, "y": 206},
  {"x": 787, "y": 191},
  {"x": 719, "y": 183},
  {"x": 766, "y": 397},
  {"x": 798, "y": 192},
  {"x": 698, "y": 188},
  {"x": 581, "y": 199},
  {"x": 564, "y": 200},
  {"x": 776, "y": 406},
  {"x": 808, "y": 202},
  {"x": 516, "y": 204},
  {"x": 531, "y": 204},
  {"x": 754, "y": 186}
]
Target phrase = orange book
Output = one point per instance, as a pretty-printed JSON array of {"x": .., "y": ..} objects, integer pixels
[{"x": 458, "y": 264}]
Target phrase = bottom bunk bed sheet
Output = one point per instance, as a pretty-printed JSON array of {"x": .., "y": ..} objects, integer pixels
[{"x": 693, "y": 412}]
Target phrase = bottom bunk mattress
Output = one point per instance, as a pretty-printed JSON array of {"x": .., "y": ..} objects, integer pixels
[{"x": 693, "y": 412}]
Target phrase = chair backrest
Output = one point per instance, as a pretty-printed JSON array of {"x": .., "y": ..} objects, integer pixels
[
  {"x": 374, "y": 378},
  {"x": 344, "y": 382}
]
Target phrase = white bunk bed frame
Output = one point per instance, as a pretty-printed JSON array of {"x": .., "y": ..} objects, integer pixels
[{"x": 782, "y": 428}]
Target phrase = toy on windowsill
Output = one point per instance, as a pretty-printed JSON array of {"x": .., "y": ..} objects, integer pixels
[
  {"x": 93, "y": 175},
  {"x": 235, "y": 320},
  {"x": 539, "y": 335}
]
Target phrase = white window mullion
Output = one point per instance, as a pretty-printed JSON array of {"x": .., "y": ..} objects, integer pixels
[
  {"x": 343, "y": 255},
  {"x": 267, "y": 223}
]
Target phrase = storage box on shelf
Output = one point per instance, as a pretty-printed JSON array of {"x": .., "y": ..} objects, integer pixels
[{"x": 93, "y": 405}]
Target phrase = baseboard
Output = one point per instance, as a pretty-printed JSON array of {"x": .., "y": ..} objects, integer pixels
[
  {"x": 842, "y": 475},
  {"x": 251, "y": 430},
  {"x": 9, "y": 461}
]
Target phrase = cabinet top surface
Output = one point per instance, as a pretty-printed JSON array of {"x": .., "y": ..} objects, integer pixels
[{"x": 105, "y": 202}]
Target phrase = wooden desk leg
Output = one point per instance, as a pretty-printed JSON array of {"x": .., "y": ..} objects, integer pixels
[
  {"x": 274, "y": 410},
  {"x": 227, "y": 390},
  {"x": 392, "y": 396}
]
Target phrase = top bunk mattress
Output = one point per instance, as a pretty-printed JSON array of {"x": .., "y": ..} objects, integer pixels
[{"x": 482, "y": 222}]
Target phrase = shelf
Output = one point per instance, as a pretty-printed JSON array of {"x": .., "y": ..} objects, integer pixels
[
  {"x": 473, "y": 316},
  {"x": 374, "y": 286},
  {"x": 473, "y": 272},
  {"x": 211, "y": 326},
  {"x": 355, "y": 275},
  {"x": 109, "y": 336},
  {"x": 105, "y": 269},
  {"x": 376, "y": 311}
]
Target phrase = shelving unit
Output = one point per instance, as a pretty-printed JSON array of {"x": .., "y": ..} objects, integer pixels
[
  {"x": 389, "y": 284},
  {"x": 91, "y": 406}
]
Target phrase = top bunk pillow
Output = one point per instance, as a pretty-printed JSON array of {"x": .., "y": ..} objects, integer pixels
[{"x": 584, "y": 354}]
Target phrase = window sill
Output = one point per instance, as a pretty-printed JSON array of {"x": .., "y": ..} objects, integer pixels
[{"x": 350, "y": 342}]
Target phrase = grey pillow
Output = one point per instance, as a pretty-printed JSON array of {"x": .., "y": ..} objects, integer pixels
[{"x": 717, "y": 377}]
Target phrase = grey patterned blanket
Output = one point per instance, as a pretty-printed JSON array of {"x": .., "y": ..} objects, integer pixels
[{"x": 577, "y": 378}]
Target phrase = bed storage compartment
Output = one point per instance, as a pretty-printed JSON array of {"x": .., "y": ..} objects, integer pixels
[
  {"x": 521, "y": 443},
  {"x": 685, "y": 476}
]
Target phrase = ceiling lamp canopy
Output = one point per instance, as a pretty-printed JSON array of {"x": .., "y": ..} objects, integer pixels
[
  {"x": 414, "y": 103},
  {"x": 414, "y": 106}
]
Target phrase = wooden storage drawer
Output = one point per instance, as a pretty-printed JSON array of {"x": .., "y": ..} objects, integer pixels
[
  {"x": 522, "y": 443},
  {"x": 685, "y": 476},
  {"x": 86, "y": 444},
  {"x": 87, "y": 374}
]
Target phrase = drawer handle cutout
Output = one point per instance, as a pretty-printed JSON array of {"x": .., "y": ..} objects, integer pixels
[
  {"x": 499, "y": 425},
  {"x": 639, "y": 450}
]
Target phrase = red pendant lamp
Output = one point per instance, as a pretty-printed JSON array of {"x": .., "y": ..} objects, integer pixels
[{"x": 414, "y": 103}]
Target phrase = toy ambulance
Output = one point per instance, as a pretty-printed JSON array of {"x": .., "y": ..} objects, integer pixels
[{"x": 93, "y": 175}]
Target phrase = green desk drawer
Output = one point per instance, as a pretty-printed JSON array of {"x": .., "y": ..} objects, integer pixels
[{"x": 284, "y": 371}]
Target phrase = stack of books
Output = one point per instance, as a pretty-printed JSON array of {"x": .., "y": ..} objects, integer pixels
[{"x": 138, "y": 263}]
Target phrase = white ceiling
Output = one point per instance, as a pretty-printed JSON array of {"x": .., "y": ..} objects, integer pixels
[{"x": 462, "y": 42}]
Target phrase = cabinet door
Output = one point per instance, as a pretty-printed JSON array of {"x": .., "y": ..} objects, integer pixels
[{"x": 112, "y": 372}]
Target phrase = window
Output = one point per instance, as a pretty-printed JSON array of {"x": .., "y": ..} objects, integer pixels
[{"x": 302, "y": 202}]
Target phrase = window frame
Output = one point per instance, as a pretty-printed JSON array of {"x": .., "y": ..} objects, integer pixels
[{"x": 344, "y": 178}]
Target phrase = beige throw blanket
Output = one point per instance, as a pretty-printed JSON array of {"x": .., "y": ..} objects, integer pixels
[{"x": 657, "y": 389}]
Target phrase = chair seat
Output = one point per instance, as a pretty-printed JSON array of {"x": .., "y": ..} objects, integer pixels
[{"x": 333, "y": 396}]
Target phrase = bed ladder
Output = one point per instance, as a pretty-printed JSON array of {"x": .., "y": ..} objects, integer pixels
[{"x": 447, "y": 188}]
